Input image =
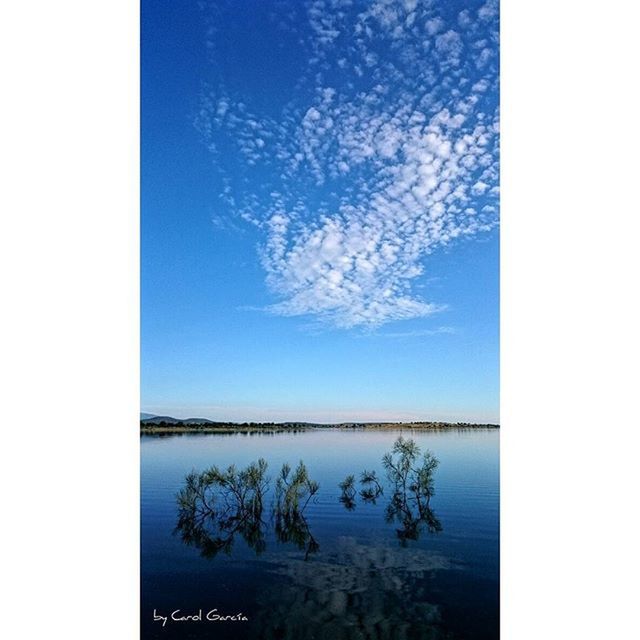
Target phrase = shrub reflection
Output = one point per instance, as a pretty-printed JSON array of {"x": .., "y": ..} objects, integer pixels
[{"x": 217, "y": 505}]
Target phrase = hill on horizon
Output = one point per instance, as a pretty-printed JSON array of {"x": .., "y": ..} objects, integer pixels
[{"x": 150, "y": 418}]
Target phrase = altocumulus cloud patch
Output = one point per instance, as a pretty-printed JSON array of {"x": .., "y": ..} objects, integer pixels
[{"x": 386, "y": 152}]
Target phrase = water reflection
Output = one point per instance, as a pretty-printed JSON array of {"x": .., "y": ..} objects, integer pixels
[
  {"x": 214, "y": 506},
  {"x": 360, "y": 582},
  {"x": 293, "y": 493},
  {"x": 348, "y": 493},
  {"x": 371, "y": 487},
  {"x": 410, "y": 477},
  {"x": 360, "y": 591}
]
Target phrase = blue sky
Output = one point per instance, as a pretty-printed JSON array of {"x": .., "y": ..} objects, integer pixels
[{"x": 319, "y": 197}]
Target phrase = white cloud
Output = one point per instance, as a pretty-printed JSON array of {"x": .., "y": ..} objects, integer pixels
[
  {"x": 489, "y": 10},
  {"x": 464, "y": 18},
  {"x": 450, "y": 45},
  {"x": 368, "y": 181},
  {"x": 479, "y": 188},
  {"x": 434, "y": 25}
]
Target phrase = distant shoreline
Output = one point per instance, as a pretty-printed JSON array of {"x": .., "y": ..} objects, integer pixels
[{"x": 288, "y": 427}]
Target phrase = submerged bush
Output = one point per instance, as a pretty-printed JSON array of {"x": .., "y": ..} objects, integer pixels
[
  {"x": 410, "y": 477},
  {"x": 402, "y": 468},
  {"x": 348, "y": 488},
  {"x": 371, "y": 487},
  {"x": 293, "y": 491},
  {"x": 413, "y": 487},
  {"x": 216, "y": 505}
]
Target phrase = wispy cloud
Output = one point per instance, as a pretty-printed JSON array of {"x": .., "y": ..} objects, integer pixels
[
  {"x": 419, "y": 333},
  {"x": 389, "y": 153}
]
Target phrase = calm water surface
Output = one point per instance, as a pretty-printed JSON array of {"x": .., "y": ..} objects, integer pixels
[{"x": 361, "y": 582}]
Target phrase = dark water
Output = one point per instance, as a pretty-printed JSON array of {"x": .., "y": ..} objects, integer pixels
[{"x": 361, "y": 582}]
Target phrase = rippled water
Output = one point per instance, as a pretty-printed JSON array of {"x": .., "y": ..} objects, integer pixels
[{"x": 361, "y": 582}]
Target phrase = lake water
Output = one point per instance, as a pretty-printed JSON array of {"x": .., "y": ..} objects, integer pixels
[{"x": 345, "y": 573}]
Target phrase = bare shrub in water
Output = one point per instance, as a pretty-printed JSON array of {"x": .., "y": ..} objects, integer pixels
[
  {"x": 348, "y": 488},
  {"x": 406, "y": 470},
  {"x": 293, "y": 493},
  {"x": 371, "y": 487},
  {"x": 413, "y": 487},
  {"x": 410, "y": 475},
  {"x": 215, "y": 505}
]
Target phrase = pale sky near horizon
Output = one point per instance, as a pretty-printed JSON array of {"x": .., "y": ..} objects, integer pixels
[{"x": 319, "y": 191}]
